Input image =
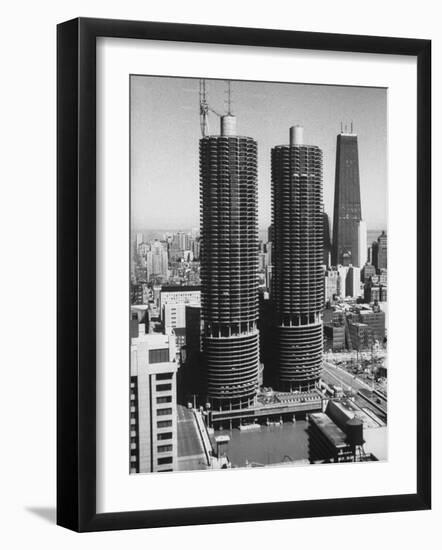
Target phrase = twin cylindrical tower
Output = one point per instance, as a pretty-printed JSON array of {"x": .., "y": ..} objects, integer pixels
[
  {"x": 229, "y": 264},
  {"x": 298, "y": 278}
]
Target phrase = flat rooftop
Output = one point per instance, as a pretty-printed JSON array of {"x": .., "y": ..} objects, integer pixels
[{"x": 331, "y": 431}]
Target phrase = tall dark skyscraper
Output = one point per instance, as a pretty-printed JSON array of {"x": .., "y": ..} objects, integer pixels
[
  {"x": 297, "y": 257},
  {"x": 347, "y": 204},
  {"x": 327, "y": 241},
  {"x": 229, "y": 263}
]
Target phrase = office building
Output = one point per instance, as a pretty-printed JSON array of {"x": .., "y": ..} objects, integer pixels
[
  {"x": 372, "y": 292},
  {"x": 331, "y": 284},
  {"x": 327, "y": 442},
  {"x": 367, "y": 272},
  {"x": 360, "y": 335},
  {"x": 375, "y": 319},
  {"x": 153, "y": 404},
  {"x": 353, "y": 282},
  {"x": 298, "y": 248},
  {"x": 186, "y": 295},
  {"x": 362, "y": 244},
  {"x": 342, "y": 281},
  {"x": 334, "y": 334},
  {"x": 374, "y": 253},
  {"x": 229, "y": 263},
  {"x": 347, "y": 201},
  {"x": 382, "y": 251},
  {"x": 327, "y": 240},
  {"x": 174, "y": 316},
  {"x": 157, "y": 261}
]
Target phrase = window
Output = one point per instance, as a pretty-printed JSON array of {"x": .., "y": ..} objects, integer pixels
[
  {"x": 165, "y": 460},
  {"x": 164, "y": 376},
  {"x": 166, "y": 435},
  {"x": 163, "y": 412},
  {"x": 165, "y": 399},
  {"x": 164, "y": 387},
  {"x": 164, "y": 448},
  {"x": 159, "y": 355},
  {"x": 164, "y": 423}
]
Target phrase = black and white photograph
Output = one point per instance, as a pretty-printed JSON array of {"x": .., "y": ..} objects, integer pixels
[{"x": 258, "y": 274}]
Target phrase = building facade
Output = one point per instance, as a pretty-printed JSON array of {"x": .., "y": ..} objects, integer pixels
[
  {"x": 362, "y": 245},
  {"x": 229, "y": 264},
  {"x": 353, "y": 282},
  {"x": 347, "y": 201},
  {"x": 298, "y": 246},
  {"x": 382, "y": 251},
  {"x": 327, "y": 241},
  {"x": 153, "y": 404}
]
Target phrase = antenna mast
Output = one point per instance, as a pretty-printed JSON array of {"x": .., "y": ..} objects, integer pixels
[
  {"x": 229, "y": 98},
  {"x": 204, "y": 109}
]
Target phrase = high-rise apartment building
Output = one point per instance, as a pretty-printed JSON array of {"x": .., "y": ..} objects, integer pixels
[
  {"x": 229, "y": 262},
  {"x": 153, "y": 404},
  {"x": 347, "y": 202},
  {"x": 298, "y": 246}
]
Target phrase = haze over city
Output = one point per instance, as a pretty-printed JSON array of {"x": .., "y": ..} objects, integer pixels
[{"x": 165, "y": 118}]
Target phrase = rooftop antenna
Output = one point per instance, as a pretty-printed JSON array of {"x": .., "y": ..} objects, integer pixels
[
  {"x": 229, "y": 98},
  {"x": 351, "y": 127},
  {"x": 342, "y": 128},
  {"x": 204, "y": 109}
]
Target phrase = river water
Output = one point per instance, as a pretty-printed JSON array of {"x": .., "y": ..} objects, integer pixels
[{"x": 268, "y": 445}]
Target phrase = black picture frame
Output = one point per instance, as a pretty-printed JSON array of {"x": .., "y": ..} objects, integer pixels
[{"x": 76, "y": 273}]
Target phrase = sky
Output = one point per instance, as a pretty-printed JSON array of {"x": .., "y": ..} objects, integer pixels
[{"x": 165, "y": 134}]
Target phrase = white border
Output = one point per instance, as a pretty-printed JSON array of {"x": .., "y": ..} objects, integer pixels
[{"x": 116, "y": 489}]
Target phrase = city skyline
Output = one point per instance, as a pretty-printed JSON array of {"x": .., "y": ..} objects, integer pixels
[
  {"x": 165, "y": 116},
  {"x": 237, "y": 333}
]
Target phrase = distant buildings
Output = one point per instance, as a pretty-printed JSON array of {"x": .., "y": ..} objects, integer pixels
[
  {"x": 331, "y": 284},
  {"x": 353, "y": 326},
  {"x": 353, "y": 282},
  {"x": 153, "y": 404},
  {"x": 298, "y": 247},
  {"x": 327, "y": 240},
  {"x": 362, "y": 244},
  {"x": 367, "y": 272},
  {"x": 347, "y": 202},
  {"x": 382, "y": 251},
  {"x": 173, "y": 302},
  {"x": 375, "y": 319},
  {"x": 157, "y": 261},
  {"x": 229, "y": 262}
]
